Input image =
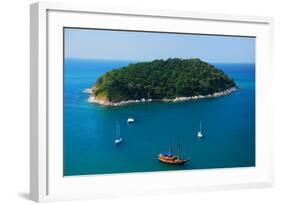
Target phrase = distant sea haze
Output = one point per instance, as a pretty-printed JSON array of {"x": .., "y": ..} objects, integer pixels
[{"x": 228, "y": 125}]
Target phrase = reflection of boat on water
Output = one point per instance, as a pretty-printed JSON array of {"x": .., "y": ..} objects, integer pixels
[
  {"x": 169, "y": 158},
  {"x": 118, "y": 139},
  {"x": 199, "y": 134}
]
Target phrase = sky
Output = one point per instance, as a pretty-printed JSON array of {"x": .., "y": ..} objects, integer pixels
[{"x": 147, "y": 46}]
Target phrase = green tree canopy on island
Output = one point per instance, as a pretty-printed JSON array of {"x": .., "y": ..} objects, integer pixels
[{"x": 161, "y": 79}]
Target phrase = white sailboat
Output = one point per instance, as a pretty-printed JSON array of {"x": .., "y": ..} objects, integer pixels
[
  {"x": 118, "y": 139},
  {"x": 199, "y": 134},
  {"x": 130, "y": 118}
]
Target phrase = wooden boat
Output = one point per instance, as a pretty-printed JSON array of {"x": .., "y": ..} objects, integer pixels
[{"x": 171, "y": 159}]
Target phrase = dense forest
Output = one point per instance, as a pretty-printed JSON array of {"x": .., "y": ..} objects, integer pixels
[{"x": 161, "y": 79}]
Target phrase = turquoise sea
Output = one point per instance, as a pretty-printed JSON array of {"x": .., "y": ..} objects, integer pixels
[{"x": 228, "y": 125}]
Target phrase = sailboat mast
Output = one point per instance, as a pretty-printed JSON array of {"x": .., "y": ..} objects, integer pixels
[
  {"x": 179, "y": 151},
  {"x": 200, "y": 126},
  {"x": 117, "y": 130},
  {"x": 130, "y": 110},
  {"x": 170, "y": 150}
]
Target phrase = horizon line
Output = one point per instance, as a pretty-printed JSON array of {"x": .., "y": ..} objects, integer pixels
[{"x": 134, "y": 60}]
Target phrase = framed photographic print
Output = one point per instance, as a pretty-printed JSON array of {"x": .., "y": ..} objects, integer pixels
[{"x": 127, "y": 102}]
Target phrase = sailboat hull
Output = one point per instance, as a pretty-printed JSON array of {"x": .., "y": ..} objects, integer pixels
[
  {"x": 130, "y": 120},
  {"x": 199, "y": 135},
  {"x": 118, "y": 141},
  {"x": 171, "y": 160}
]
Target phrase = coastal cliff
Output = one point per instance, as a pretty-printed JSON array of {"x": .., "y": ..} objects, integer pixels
[{"x": 170, "y": 80}]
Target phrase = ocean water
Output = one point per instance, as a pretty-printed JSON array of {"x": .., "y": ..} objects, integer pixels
[{"x": 228, "y": 125}]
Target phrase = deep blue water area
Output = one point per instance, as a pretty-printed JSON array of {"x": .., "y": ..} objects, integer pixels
[{"x": 228, "y": 125}]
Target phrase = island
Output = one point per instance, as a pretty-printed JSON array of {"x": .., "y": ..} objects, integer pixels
[{"x": 170, "y": 80}]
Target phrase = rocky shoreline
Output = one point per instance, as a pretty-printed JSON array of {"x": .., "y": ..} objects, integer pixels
[{"x": 93, "y": 99}]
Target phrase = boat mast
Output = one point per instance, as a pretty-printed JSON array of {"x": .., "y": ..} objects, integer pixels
[
  {"x": 179, "y": 151},
  {"x": 117, "y": 130},
  {"x": 130, "y": 108},
  {"x": 200, "y": 126},
  {"x": 170, "y": 150}
]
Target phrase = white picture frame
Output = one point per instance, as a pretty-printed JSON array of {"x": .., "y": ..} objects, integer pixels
[{"x": 46, "y": 179}]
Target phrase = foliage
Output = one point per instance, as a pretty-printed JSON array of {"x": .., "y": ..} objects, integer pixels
[{"x": 161, "y": 79}]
